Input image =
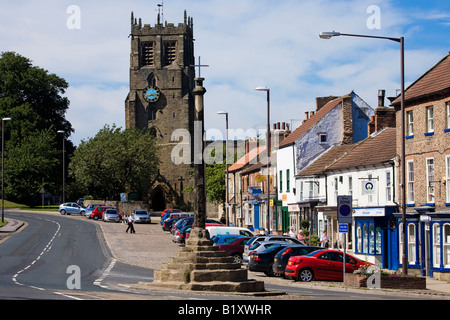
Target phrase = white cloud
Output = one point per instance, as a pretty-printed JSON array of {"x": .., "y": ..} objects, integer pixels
[{"x": 246, "y": 43}]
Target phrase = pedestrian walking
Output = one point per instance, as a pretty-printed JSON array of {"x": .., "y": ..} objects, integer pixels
[{"x": 130, "y": 224}]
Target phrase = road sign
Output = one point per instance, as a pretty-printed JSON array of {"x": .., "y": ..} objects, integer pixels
[
  {"x": 344, "y": 208},
  {"x": 343, "y": 228}
]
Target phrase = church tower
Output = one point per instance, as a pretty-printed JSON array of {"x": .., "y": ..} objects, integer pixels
[{"x": 161, "y": 100}]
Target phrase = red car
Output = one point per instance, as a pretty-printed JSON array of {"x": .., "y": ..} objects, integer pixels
[
  {"x": 97, "y": 213},
  {"x": 322, "y": 265},
  {"x": 235, "y": 248},
  {"x": 169, "y": 211}
]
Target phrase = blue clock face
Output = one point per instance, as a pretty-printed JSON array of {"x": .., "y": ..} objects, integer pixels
[{"x": 151, "y": 94}]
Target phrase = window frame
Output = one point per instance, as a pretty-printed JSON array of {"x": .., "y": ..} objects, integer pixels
[
  {"x": 410, "y": 123},
  {"x": 410, "y": 184},
  {"x": 429, "y": 119},
  {"x": 430, "y": 176}
]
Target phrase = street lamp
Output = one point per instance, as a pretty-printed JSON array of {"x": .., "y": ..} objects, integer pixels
[
  {"x": 227, "y": 218},
  {"x": 3, "y": 167},
  {"x": 63, "y": 167},
  {"x": 329, "y": 35},
  {"x": 268, "y": 154}
]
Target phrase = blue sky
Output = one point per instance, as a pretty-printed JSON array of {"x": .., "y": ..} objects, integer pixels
[{"x": 247, "y": 43}]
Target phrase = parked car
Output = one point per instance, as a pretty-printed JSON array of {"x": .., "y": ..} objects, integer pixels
[
  {"x": 97, "y": 213},
  {"x": 214, "y": 231},
  {"x": 322, "y": 265},
  {"x": 282, "y": 257},
  {"x": 275, "y": 237},
  {"x": 164, "y": 218},
  {"x": 257, "y": 247},
  {"x": 141, "y": 216},
  {"x": 167, "y": 225},
  {"x": 235, "y": 248},
  {"x": 168, "y": 211},
  {"x": 71, "y": 207},
  {"x": 272, "y": 237},
  {"x": 209, "y": 223},
  {"x": 224, "y": 239},
  {"x": 112, "y": 215},
  {"x": 90, "y": 208},
  {"x": 180, "y": 229},
  {"x": 263, "y": 261}
]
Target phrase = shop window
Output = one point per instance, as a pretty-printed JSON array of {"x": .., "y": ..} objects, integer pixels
[
  {"x": 365, "y": 236},
  {"x": 400, "y": 240},
  {"x": 436, "y": 245},
  {"x": 411, "y": 243},
  {"x": 446, "y": 231},
  {"x": 378, "y": 240},
  {"x": 358, "y": 238}
]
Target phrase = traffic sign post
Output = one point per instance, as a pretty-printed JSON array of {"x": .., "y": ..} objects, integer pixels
[{"x": 345, "y": 210}]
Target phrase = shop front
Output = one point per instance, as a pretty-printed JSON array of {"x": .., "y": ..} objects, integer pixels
[{"x": 372, "y": 240}]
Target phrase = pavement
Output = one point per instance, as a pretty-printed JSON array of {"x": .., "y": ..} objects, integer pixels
[{"x": 143, "y": 249}]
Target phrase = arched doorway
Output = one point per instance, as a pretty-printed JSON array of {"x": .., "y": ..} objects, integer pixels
[{"x": 158, "y": 200}]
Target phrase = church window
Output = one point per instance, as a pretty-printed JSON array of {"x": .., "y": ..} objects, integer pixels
[
  {"x": 170, "y": 52},
  {"x": 147, "y": 54}
]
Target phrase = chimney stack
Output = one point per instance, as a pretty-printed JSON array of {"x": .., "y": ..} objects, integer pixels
[{"x": 381, "y": 96}]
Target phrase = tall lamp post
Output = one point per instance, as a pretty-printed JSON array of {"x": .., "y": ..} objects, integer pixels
[
  {"x": 267, "y": 90},
  {"x": 3, "y": 167},
  {"x": 329, "y": 35},
  {"x": 227, "y": 218},
  {"x": 63, "y": 167}
]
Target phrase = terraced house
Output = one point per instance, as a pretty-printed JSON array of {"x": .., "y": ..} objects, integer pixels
[{"x": 427, "y": 143}]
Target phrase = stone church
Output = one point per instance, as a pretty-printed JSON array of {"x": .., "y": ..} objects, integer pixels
[{"x": 161, "y": 100}]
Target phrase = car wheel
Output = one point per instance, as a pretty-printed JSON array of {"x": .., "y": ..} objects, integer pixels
[
  {"x": 95, "y": 218},
  {"x": 269, "y": 272},
  {"x": 82, "y": 213},
  {"x": 237, "y": 258},
  {"x": 63, "y": 212},
  {"x": 305, "y": 275}
]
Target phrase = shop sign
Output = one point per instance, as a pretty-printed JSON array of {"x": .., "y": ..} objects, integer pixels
[{"x": 369, "y": 212}]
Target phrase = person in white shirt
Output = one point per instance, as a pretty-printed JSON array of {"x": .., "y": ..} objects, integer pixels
[{"x": 130, "y": 225}]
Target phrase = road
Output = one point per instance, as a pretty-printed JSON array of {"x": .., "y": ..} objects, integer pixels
[{"x": 58, "y": 257}]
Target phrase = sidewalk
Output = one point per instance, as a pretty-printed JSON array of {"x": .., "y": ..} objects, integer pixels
[{"x": 12, "y": 226}]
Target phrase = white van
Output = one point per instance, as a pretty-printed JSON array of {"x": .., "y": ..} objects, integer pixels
[{"x": 214, "y": 231}]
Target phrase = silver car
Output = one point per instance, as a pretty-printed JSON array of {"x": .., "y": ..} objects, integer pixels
[
  {"x": 111, "y": 215},
  {"x": 71, "y": 207},
  {"x": 141, "y": 216},
  {"x": 257, "y": 247}
]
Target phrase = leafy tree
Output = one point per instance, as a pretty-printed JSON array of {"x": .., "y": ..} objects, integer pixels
[
  {"x": 116, "y": 161},
  {"x": 31, "y": 165},
  {"x": 34, "y": 99}
]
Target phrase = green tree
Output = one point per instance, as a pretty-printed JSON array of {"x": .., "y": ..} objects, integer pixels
[
  {"x": 116, "y": 161},
  {"x": 31, "y": 165},
  {"x": 34, "y": 99}
]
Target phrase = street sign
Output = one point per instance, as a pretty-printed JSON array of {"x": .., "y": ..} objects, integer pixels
[
  {"x": 343, "y": 228},
  {"x": 344, "y": 208}
]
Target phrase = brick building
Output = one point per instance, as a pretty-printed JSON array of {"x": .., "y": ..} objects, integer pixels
[{"x": 427, "y": 142}]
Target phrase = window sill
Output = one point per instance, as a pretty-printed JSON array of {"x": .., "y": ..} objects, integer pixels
[
  {"x": 430, "y": 204},
  {"x": 427, "y": 134},
  {"x": 409, "y": 137},
  {"x": 447, "y": 204},
  {"x": 410, "y": 205},
  {"x": 447, "y": 130}
]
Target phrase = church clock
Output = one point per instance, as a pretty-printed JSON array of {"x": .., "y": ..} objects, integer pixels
[{"x": 151, "y": 94}]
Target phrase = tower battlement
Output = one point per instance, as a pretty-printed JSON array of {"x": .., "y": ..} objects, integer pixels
[{"x": 137, "y": 28}]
